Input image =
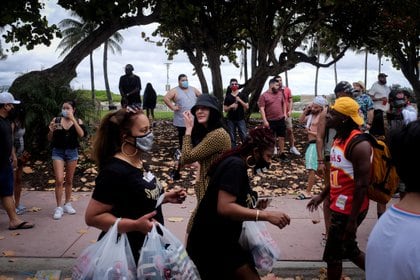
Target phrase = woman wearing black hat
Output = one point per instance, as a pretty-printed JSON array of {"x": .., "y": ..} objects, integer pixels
[{"x": 204, "y": 141}]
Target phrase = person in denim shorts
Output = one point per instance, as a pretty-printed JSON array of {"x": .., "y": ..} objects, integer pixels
[{"x": 64, "y": 133}]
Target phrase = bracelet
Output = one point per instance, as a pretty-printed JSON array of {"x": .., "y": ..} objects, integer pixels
[{"x": 258, "y": 214}]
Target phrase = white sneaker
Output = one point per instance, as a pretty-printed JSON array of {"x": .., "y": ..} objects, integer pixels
[
  {"x": 295, "y": 151},
  {"x": 69, "y": 209},
  {"x": 58, "y": 213}
]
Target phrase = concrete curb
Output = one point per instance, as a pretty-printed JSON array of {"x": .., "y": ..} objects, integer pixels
[{"x": 22, "y": 268}]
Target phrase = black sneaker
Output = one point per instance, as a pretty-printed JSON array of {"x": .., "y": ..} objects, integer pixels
[{"x": 283, "y": 158}]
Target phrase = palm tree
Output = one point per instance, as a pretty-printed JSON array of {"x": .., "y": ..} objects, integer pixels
[
  {"x": 74, "y": 31},
  {"x": 113, "y": 43}
]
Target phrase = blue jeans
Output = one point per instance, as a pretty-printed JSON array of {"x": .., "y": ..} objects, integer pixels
[{"x": 232, "y": 126}]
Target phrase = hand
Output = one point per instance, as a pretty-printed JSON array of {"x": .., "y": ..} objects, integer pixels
[
  {"x": 314, "y": 202},
  {"x": 177, "y": 108},
  {"x": 234, "y": 106},
  {"x": 266, "y": 124},
  {"x": 52, "y": 126},
  {"x": 277, "y": 218},
  {"x": 144, "y": 224},
  {"x": 176, "y": 195},
  {"x": 188, "y": 120},
  {"x": 321, "y": 169}
]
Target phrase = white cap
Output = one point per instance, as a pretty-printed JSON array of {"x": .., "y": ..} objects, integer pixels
[{"x": 7, "y": 98}]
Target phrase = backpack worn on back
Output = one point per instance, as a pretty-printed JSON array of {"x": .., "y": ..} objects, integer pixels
[{"x": 384, "y": 179}]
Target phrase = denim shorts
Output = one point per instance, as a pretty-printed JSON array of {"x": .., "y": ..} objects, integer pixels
[
  {"x": 65, "y": 154},
  {"x": 6, "y": 181}
]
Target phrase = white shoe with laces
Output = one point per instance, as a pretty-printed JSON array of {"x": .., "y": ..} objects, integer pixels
[
  {"x": 69, "y": 209},
  {"x": 58, "y": 213},
  {"x": 295, "y": 151}
]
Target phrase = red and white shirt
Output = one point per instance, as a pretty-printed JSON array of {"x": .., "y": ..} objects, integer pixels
[{"x": 342, "y": 178}]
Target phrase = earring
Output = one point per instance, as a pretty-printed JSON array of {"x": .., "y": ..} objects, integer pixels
[
  {"x": 124, "y": 153},
  {"x": 250, "y": 161}
]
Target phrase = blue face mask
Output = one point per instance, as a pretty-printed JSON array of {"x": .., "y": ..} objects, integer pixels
[
  {"x": 145, "y": 142},
  {"x": 64, "y": 113},
  {"x": 184, "y": 84}
]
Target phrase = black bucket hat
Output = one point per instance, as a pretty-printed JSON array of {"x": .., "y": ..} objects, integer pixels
[{"x": 206, "y": 100}]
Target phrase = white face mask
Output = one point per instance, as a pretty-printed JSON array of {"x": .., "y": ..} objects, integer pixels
[{"x": 145, "y": 142}]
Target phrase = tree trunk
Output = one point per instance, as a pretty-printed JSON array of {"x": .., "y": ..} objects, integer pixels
[
  {"x": 197, "y": 61},
  {"x": 108, "y": 90},
  {"x": 92, "y": 77},
  {"x": 214, "y": 65},
  {"x": 316, "y": 81},
  {"x": 366, "y": 65}
]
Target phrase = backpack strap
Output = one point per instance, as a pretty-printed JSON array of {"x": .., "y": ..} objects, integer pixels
[{"x": 359, "y": 138}]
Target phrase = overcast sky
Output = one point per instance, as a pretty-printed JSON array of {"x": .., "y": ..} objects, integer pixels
[{"x": 149, "y": 63}]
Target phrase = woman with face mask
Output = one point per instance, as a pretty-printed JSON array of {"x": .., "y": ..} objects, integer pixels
[
  {"x": 123, "y": 187},
  {"x": 64, "y": 134},
  {"x": 228, "y": 201}
]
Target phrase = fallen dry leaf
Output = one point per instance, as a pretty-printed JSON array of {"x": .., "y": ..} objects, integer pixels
[
  {"x": 51, "y": 181},
  {"x": 8, "y": 253},
  {"x": 175, "y": 219},
  {"x": 82, "y": 231},
  {"x": 2, "y": 237},
  {"x": 34, "y": 209},
  {"x": 27, "y": 170}
]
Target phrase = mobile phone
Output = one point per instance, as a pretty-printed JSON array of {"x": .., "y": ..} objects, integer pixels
[{"x": 58, "y": 126}]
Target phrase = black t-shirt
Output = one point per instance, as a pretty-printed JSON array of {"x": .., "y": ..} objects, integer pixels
[
  {"x": 239, "y": 113},
  {"x": 127, "y": 84},
  {"x": 131, "y": 193},
  {"x": 6, "y": 142},
  {"x": 66, "y": 138},
  {"x": 215, "y": 235}
]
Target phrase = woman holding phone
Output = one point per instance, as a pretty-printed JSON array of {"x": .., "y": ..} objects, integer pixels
[{"x": 64, "y": 133}]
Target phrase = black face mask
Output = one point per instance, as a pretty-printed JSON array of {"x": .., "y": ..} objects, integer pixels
[{"x": 12, "y": 115}]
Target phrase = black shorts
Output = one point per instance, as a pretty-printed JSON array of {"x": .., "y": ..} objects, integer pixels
[
  {"x": 278, "y": 127},
  {"x": 336, "y": 249}
]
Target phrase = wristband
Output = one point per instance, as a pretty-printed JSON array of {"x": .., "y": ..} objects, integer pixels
[{"x": 257, "y": 216}]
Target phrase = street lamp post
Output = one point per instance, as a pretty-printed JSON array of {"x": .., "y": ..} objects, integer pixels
[{"x": 168, "y": 86}]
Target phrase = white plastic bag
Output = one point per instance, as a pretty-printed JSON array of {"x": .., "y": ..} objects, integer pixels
[
  {"x": 109, "y": 258},
  {"x": 164, "y": 257},
  {"x": 256, "y": 238}
]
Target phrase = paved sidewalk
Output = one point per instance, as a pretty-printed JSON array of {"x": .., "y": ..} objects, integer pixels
[{"x": 54, "y": 244}]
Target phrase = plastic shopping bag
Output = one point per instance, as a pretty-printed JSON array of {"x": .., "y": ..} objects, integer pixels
[
  {"x": 109, "y": 258},
  {"x": 256, "y": 238},
  {"x": 164, "y": 257}
]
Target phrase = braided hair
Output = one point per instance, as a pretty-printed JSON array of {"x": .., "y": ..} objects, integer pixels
[{"x": 259, "y": 137}]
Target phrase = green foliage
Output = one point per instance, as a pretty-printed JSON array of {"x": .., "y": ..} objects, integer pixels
[
  {"x": 100, "y": 95},
  {"x": 25, "y": 24},
  {"x": 43, "y": 104}
]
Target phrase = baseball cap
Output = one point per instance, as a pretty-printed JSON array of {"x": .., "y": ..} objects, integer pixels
[
  {"x": 348, "y": 107},
  {"x": 206, "y": 100},
  {"x": 382, "y": 75},
  {"x": 319, "y": 100},
  {"x": 343, "y": 86},
  {"x": 7, "y": 98}
]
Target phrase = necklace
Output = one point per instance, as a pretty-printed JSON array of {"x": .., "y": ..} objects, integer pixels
[{"x": 137, "y": 163}]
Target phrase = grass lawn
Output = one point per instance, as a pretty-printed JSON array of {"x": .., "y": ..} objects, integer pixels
[{"x": 164, "y": 115}]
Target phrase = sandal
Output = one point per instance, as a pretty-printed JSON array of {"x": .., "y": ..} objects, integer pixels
[
  {"x": 22, "y": 225},
  {"x": 302, "y": 196}
]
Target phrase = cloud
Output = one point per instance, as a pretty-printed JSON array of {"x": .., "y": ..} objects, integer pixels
[{"x": 149, "y": 63}]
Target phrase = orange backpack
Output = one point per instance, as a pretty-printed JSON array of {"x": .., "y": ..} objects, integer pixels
[{"x": 384, "y": 178}]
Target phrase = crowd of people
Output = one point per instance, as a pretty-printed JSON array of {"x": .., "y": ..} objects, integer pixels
[{"x": 223, "y": 161}]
